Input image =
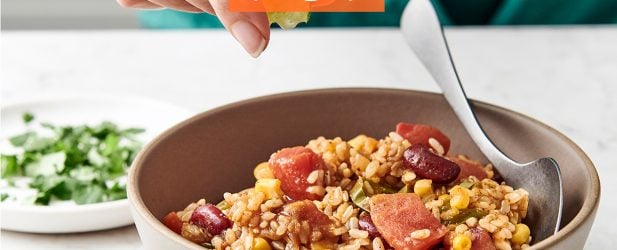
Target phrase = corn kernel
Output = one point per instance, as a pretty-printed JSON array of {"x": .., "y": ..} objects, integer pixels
[
  {"x": 260, "y": 244},
  {"x": 360, "y": 162},
  {"x": 459, "y": 197},
  {"x": 357, "y": 142},
  {"x": 370, "y": 145},
  {"x": 262, "y": 171},
  {"x": 423, "y": 187},
  {"x": 323, "y": 245},
  {"x": 363, "y": 144},
  {"x": 461, "y": 242},
  {"x": 521, "y": 234},
  {"x": 270, "y": 187},
  {"x": 331, "y": 147}
]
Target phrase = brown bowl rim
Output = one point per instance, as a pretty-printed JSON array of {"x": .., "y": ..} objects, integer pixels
[{"x": 589, "y": 205}]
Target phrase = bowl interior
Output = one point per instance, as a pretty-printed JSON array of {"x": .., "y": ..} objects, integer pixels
[{"x": 215, "y": 152}]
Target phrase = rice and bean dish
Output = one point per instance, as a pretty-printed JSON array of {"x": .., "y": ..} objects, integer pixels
[{"x": 403, "y": 191}]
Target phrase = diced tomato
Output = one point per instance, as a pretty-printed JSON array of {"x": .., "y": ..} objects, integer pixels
[
  {"x": 420, "y": 133},
  {"x": 397, "y": 215},
  {"x": 292, "y": 166},
  {"x": 447, "y": 241},
  {"x": 469, "y": 168},
  {"x": 173, "y": 222},
  {"x": 307, "y": 211},
  {"x": 481, "y": 240}
]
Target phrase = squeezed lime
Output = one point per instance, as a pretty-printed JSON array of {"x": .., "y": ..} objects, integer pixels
[{"x": 288, "y": 20}]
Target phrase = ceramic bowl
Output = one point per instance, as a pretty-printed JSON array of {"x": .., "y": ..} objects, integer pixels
[{"x": 216, "y": 151}]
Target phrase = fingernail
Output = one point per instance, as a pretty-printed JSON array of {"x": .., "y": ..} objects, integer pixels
[{"x": 249, "y": 37}]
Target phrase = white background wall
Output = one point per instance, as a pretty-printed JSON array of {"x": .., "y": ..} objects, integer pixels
[{"x": 66, "y": 14}]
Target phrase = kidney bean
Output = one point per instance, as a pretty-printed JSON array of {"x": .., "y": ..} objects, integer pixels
[
  {"x": 365, "y": 223},
  {"x": 429, "y": 165},
  {"x": 210, "y": 218},
  {"x": 497, "y": 176}
]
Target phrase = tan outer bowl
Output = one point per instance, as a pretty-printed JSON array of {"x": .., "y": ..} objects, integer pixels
[{"x": 215, "y": 151}]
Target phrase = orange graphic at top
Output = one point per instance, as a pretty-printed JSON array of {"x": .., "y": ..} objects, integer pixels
[{"x": 307, "y": 5}]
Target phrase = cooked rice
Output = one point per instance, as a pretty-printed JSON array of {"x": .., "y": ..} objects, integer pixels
[
  {"x": 254, "y": 215},
  {"x": 420, "y": 234}
]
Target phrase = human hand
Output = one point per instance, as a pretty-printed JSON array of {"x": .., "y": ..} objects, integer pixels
[{"x": 251, "y": 30}]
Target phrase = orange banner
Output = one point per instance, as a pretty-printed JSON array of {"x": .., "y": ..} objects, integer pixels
[{"x": 307, "y": 5}]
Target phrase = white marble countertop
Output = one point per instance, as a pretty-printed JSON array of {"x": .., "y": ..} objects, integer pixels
[{"x": 566, "y": 77}]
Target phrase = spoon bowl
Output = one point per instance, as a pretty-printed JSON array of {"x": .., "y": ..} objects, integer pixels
[{"x": 541, "y": 178}]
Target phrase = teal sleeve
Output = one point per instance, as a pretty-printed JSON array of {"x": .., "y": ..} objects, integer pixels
[{"x": 518, "y": 12}]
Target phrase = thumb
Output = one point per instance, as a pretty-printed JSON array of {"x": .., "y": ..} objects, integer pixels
[{"x": 251, "y": 29}]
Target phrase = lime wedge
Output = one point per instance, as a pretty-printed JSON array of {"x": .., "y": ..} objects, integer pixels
[{"x": 288, "y": 20}]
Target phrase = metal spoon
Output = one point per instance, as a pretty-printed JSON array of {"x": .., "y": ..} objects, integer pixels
[{"x": 541, "y": 178}]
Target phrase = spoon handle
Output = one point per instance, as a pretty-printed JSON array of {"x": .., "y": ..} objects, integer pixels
[{"x": 425, "y": 35}]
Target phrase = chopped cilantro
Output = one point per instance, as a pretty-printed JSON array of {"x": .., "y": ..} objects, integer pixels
[
  {"x": 20, "y": 140},
  {"x": 27, "y": 117},
  {"x": 3, "y": 196},
  {"x": 9, "y": 166},
  {"x": 74, "y": 163}
]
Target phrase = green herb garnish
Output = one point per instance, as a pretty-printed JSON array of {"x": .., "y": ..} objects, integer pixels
[
  {"x": 223, "y": 205},
  {"x": 465, "y": 214},
  {"x": 27, "y": 117},
  {"x": 467, "y": 183},
  {"x": 358, "y": 196},
  {"x": 405, "y": 189},
  {"x": 3, "y": 196},
  {"x": 382, "y": 188},
  {"x": 80, "y": 163}
]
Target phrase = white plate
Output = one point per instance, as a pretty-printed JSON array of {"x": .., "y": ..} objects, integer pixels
[{"x": 75, "y": 109}]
